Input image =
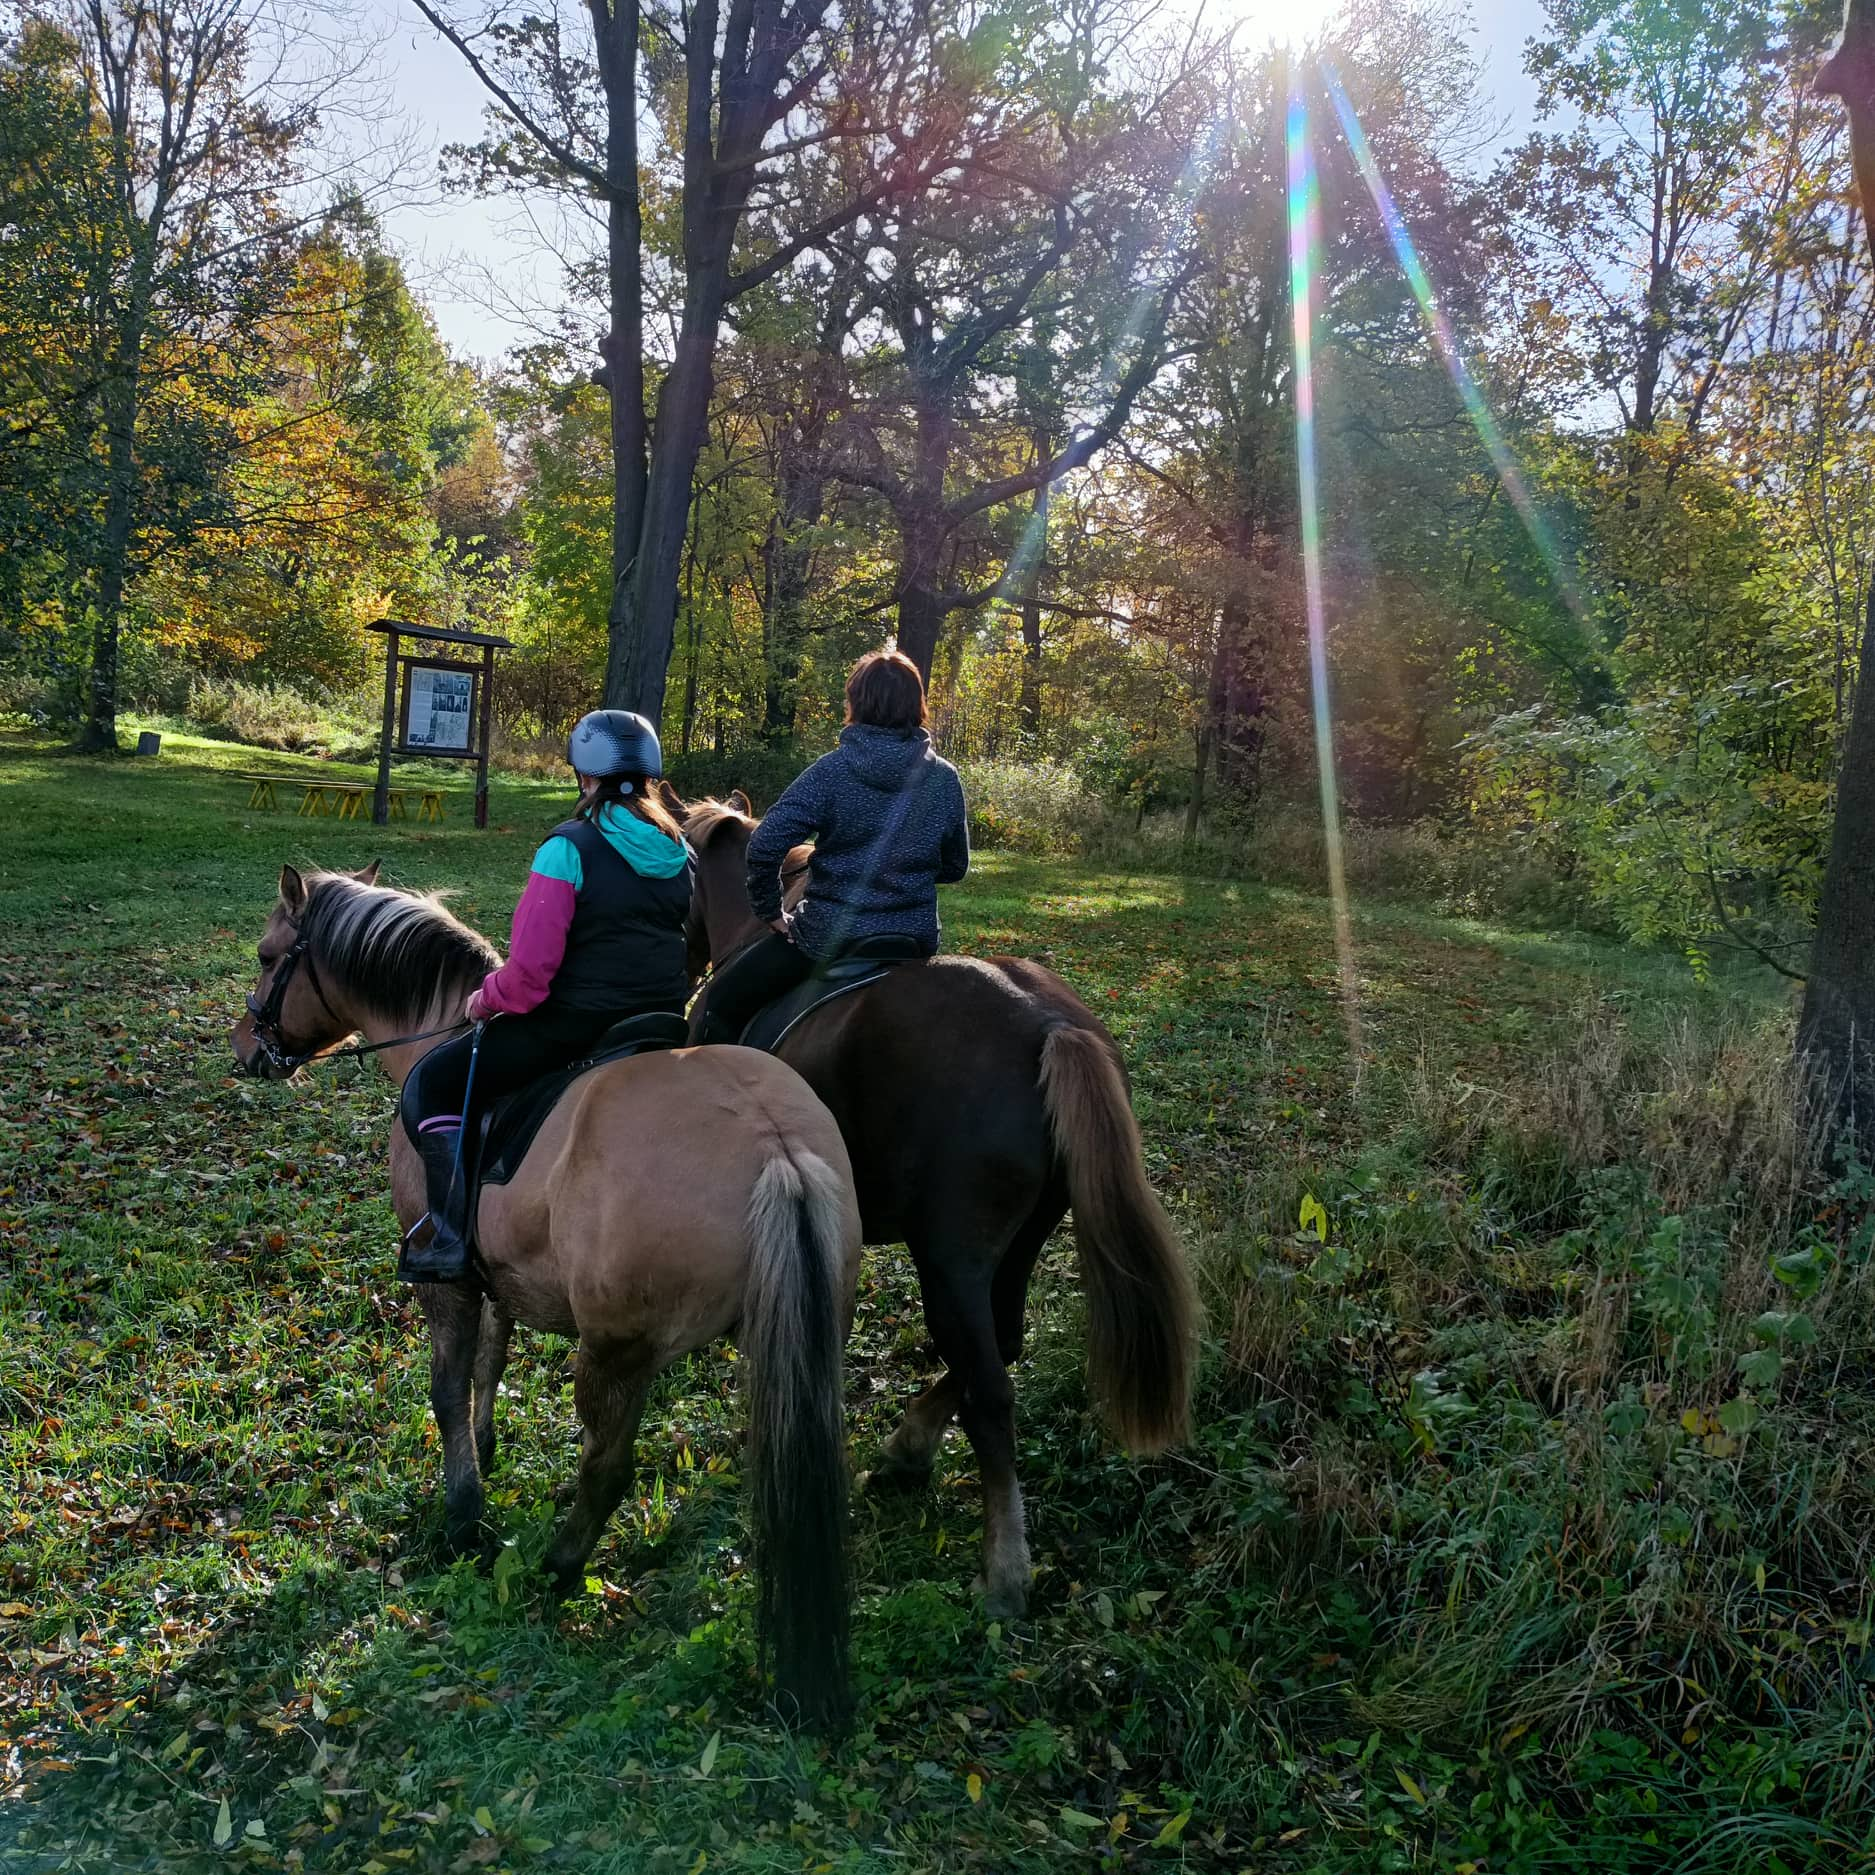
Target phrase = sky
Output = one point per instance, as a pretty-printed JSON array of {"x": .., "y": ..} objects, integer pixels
[{"x": 486, "y": 270}]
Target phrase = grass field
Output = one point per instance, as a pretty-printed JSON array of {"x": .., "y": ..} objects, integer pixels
[{"x": 1527, "y": 1525}]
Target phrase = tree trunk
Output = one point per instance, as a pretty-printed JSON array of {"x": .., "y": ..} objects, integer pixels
[
  {"x": 1836, "y": 1033},
  {"x": 615, "y": 35},
  {"x": 920, "y": 618},
  {"x": 1029, "y": 704},
  {"x": 790, "y": 554},
  {"x": 120, "y": 505},
  {"x": 1194, "y": 808}
]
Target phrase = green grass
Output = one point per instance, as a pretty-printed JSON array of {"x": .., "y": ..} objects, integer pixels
[{"x": 1487, "y": 1552}]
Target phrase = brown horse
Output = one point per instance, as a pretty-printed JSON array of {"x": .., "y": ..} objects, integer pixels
[
  {"x": 980, "y": 1100},
  {"x": 666, "y": 1199}
]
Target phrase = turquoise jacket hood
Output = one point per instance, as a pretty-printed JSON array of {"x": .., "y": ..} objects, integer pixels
[{"x": 644, "y": 848}]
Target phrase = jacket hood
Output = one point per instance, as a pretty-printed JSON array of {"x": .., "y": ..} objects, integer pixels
[
  {"x": 885, "y": 759},
  {"x": 650, "y": 853}
]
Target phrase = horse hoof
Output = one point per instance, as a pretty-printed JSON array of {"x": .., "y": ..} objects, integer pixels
[
  {"x": 1003, "y": 1601},
  {"x": 464, "y": 1539},
  {"x": 893, "y": 1476}
]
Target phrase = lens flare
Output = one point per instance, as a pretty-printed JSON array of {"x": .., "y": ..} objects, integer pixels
[
  {"x": 1304, "y": 244},
  {"x": 1445, "y": 341}
]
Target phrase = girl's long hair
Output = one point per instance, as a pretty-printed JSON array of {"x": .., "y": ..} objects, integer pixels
[{"x": 634, "y": 794}]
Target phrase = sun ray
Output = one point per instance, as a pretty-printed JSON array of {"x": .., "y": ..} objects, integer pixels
[
  {"x": 1445, "y": 341},
  {"x": 1304, "y": 245}
]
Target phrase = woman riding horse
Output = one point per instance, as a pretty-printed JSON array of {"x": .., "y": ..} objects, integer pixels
[
  {"x": 886, "y": 813},
  {"x": 666, "y": 1200},
  {"x": 598, "y": 936}
]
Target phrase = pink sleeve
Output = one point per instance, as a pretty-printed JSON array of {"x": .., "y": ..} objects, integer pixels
[{"x": 539, "y": 943}]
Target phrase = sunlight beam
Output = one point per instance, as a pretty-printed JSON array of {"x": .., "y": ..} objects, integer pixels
[
  {"x": 1304, "y": 245},
  {"x": 1445, "y": 341}
]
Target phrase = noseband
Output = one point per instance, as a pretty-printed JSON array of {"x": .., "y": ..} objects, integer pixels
[{"x": 265, "y": 1013}]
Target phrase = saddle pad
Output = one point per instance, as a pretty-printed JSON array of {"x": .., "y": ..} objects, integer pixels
[
  {"x": 768, "y": 1028},
  {"x": 509, "y": 1129}
]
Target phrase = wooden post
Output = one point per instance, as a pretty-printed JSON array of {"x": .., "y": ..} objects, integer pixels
[
  {"x": 481, "y": 741},
  {"x": 381, "y": 802}
]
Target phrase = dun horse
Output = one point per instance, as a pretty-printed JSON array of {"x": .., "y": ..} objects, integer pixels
[
  {"x": 666, "y": 1199},
  {"x": 980, "y": 1101}
]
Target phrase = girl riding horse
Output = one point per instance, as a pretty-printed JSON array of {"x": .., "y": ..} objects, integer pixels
[
  {"x": 886, "y": 814},
  {"x": 598, "y": 936}
]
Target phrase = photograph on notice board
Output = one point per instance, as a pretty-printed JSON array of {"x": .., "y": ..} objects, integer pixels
[{"x": 438, "y": 711}]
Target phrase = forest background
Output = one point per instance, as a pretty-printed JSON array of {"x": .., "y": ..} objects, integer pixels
[{"x": 1001, "y": 363}]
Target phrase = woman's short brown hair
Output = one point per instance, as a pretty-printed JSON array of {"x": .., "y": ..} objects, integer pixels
[{"x": 886, "y": 691}]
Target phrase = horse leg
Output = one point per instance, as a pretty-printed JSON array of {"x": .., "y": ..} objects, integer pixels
[
  {"x": 491, "y": 1361},
  {"x": 451, "y": 1309},
  {"x": 906, "y": 1459},
  {"x": 1009, "y": 1287},
  {"x": 609, "y": 1389},
  {"x": 957, "y": 1307}
]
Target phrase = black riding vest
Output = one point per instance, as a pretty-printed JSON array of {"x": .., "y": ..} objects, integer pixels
[{"x": 625, "y": 946}]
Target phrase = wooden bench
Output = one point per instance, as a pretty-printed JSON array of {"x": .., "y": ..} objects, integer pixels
[{"x": 350, "y": 799}]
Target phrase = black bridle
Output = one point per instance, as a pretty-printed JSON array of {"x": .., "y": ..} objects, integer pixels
[{"x": 264, "y": 1012}]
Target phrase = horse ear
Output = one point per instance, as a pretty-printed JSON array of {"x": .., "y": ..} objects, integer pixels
[
  {"x": 741, "y": 803},
  {"x": 292, "y": 891},
  {"x": 673, "y": 801},
  {"x": 368, "y": 875}
]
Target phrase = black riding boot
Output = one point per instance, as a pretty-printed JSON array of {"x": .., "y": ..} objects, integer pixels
[{"x": 444, "y": 1256}]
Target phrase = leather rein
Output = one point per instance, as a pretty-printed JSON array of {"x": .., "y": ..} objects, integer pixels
[{"x": 265, "y": 1015}]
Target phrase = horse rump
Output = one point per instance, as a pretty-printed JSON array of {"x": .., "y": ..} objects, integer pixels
[
  {"x": 1142, "y": 1309},
  {"x": 793, "y": 1329}
]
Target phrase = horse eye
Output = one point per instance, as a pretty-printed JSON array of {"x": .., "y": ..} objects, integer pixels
[{"x": 265, "y": 960}]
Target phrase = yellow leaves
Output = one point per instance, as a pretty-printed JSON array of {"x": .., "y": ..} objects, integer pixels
[{"x": 973, "y": 1787}]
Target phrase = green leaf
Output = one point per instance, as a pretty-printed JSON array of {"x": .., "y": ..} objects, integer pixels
[
  {"x": 1079, "y": 1819},
  {"x": 707, "y": 1763},
  {"x": 224, "y": 1825},
  {"x": 1760, "y": 1368},
  {"x": 1411, "y": 1789},
  {"x": 1171, "y": 1830},
  {"x": 1313, "y": 1217}
]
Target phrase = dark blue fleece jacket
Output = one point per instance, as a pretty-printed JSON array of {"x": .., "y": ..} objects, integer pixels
[{"x": 886, "y": 814}]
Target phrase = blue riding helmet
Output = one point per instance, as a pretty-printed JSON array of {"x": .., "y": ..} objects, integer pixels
[{"x": 614, "y": 742}]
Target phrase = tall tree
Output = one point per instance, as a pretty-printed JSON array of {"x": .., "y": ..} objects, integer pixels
[
  {"x": 1071, "y": 218},
  {"x": 196, "y": 123},
  {"x": 1836, "y": 1032},
  {"x": 746, "y": 93}
]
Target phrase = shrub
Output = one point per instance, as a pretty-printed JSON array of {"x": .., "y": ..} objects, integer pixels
[
  {"x": 1028, "y": 807},
  {"x": 1572, "y": 1370},
  {"x": 276, "y": 716},
  {"x": 761, "y": 773}
]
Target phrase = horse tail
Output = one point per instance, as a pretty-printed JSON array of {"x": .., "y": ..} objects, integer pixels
[
  {"x": 793, "y": 1326},
  {"x": 1142, "y": 1309}
]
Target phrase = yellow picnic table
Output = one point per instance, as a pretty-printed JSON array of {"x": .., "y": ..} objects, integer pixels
[{"x": 349, "y": 799}]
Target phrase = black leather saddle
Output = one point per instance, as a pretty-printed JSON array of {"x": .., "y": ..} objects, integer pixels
[
  {"x": 839, "y": 975},
  {"x": 509, "y": 1126}
]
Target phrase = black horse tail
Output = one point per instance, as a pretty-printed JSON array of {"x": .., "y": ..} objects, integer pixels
[
  {"x": 793, "y": 1325},
  {"x": 1142, "y": 1309}
]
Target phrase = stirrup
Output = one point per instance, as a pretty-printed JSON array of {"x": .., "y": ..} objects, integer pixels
[{"x": 417, "y": 1264}]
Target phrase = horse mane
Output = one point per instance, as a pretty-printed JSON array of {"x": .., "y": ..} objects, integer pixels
[
  {"x": 704, "y": 820},
  {"x": 402, "y": 952}
]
